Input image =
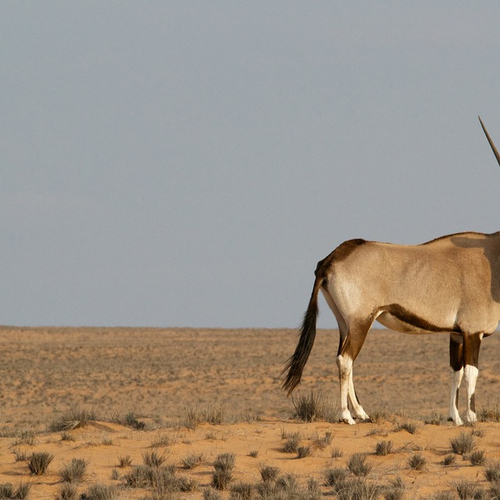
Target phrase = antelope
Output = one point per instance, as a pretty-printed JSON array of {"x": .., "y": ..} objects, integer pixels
[{"x": 450, "y": 284}]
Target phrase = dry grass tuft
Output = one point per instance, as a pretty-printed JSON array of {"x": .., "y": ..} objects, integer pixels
[
  {"x": 462, "y": 444},
  {"x": 383, "y": 448},
  {"x": 73, "y": 419},
  {"x": 358, "y": 466},
  {"x": 7, "y": 491},
  {"x": 417, "y": 462},
  {"x": 477, "y": 458},
  {"x": 269, "y": 473},
  {"x": 38, "y": 463},
  {"x": 193, "y": 416},
  {"x": 101, "y": 492},
  {"x": 469, "y": 490},
  {"x": 223, "y": 471},
  {"x": 75, "y": 471},
  {"x": 67, "y": 491}
]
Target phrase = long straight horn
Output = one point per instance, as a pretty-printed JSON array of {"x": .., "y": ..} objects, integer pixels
[{"x": 494, "y": 149}]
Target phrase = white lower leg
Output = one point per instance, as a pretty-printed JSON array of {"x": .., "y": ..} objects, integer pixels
[
  {"x": 470, "y": 375},
  {"x": 358, "y": 410},
  {"x": 344, "y": 364},
  {"x": 456, "y": 380}
]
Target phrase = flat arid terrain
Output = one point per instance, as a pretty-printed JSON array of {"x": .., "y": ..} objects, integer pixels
[{"x": 179, "y": 413}]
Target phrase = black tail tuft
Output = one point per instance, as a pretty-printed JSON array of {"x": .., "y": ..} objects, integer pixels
[{"x": 296, "y": 363}]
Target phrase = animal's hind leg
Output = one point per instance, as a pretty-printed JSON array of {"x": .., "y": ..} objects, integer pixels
[
  {"x": 350, "y": 344},
  {"x": 472, "y": 344},
  {"x": 457, "y": 373},
  {"x": 358, "y": 410}
]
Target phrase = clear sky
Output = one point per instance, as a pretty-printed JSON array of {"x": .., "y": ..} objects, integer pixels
[{"x": 187, "y": 163}]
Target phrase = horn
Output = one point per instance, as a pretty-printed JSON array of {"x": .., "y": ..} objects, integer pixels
[{"x": 494, "y": 149}]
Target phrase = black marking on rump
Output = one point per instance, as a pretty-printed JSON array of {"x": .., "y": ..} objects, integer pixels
[
  {"x": 412, "y": 319},
  {"x": 341, "y": 253}
]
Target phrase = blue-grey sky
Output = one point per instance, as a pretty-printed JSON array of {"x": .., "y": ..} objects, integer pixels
[{"x": 187, "y": 163}]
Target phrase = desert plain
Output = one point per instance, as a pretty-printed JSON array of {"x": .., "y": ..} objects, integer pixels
[{"x": 116, "y": 397}]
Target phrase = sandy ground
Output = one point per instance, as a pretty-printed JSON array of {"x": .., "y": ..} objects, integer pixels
[{"x": 159, "y": 375}]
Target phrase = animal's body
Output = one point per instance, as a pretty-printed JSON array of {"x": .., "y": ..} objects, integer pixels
[{"x": 450, "y": 284}]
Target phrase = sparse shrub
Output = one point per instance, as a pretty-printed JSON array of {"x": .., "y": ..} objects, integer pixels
[
  {"x": 491, "y": 414},
  {"x": 443, "y": 495},
  {"x": 417, "y": 462},
  {"x": 75, "y": 471},
  {"x": 223, "y": 471},
  {"x": 161, "y": 479},
  {"x": 193, "y": 416},
  {"x": 131, "y": 420},
  {"x": 115, "y": 475},
  {"x": 434, "y": 419},
  {"x": 449, "y": 460},
  {"x": 7, "y": 491},
  {"x": 358, "y": 466},
  {"x": 308, "y": 407},
  {"x": 210, "y": 494},
  {"x": 383, "y": 448},
  {"x": 73, "y": 419},
  {"x": 477, "y": 458},
  {"x": 153, "y": 459},
  {"x": 378, "y": 416},
  {"x": 303, "y": 451},
  {"x": 240, "y": 491},
  {"x": 492, "y": 472},
  {"x": 292, "y": 443},
  {"x": 323, "y": 442},
  {"x": 287, "y": 484},
  {"x": 162, "y": 440},
  {"x": 67, "y": 491},
  {"x": 494, "y": 491},
  {"x": 186, "y": 485},
  {"x": 25, "y": 437},
  {"x": 468, "y": 490},
  {"x": 141, "y": 476},
  {"x": 407, "y": 426},
  {"x": 287, "y": 488},
  {"x": 269, "y": 473},
  {"x": 359, "y": 489},
  {"x": 253, "y": 453},
  {"x": 192, "y": 461},
  {"x": 125, "y": 461},
  {"x": 101, "y": 492},
  {"x": 20, "y": 455},
  {"x": 462, "y": 444},
  {"x": 313, "y": 490},
  {"x": 395, "y": 490},
  {"x": 67, "y": 436},
  {"x": 39, "y": 462},
  {"x": 335, "y": 478},
  {"x": 336, "y": 453}
]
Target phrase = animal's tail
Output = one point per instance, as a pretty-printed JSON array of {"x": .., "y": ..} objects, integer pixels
[{"x": 296, "y": 363}]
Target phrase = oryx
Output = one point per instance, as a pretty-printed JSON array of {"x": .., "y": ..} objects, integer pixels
[{"x": 450, "y": 284}]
